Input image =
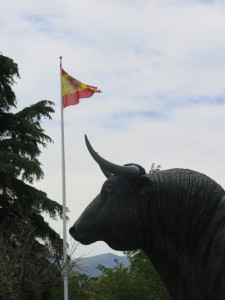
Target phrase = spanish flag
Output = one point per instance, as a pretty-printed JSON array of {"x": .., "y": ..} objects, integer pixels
[{"x": 73, "y": 90}]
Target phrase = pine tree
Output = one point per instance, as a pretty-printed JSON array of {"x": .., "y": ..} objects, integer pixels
[{"x": 24, "y": 233}]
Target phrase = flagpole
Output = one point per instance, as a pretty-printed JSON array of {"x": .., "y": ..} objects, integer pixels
[{"x": 65, "y": 275}]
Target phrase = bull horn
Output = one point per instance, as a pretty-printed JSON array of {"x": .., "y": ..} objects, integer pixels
[
  {"x": 127, "y": 172},
  {"x": 106, "y": 173}
]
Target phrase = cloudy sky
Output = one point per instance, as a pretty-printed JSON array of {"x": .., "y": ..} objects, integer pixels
[{"x": 161, "y": 67}]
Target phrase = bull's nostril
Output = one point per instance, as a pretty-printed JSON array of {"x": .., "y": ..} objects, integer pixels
[{"x": 72, "y": 230}]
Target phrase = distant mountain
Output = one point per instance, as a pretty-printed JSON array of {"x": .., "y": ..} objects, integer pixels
[{"x": 88, "y": 265}]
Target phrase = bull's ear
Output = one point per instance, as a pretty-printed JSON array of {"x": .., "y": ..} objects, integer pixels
[{"x": 144, "y": 185}]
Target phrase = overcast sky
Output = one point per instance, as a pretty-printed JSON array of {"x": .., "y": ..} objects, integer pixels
[{"x": 161, "y": 67}]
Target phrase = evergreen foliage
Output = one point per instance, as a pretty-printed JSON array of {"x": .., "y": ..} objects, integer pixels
[{"x": 28, "y": 245}]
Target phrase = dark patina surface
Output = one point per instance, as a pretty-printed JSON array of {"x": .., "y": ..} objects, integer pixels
[{"x": 176, "y": 216}]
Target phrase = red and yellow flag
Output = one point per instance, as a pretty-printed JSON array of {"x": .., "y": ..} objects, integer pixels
[{"x": 73, "y": 90}]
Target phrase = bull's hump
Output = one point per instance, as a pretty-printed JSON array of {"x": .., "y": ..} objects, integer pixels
[
  {"x": 185, "y": 180},
  {"x": 185, "y": 197}
]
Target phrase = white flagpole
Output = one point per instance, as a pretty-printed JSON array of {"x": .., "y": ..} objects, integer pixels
[{"x": 63, "y": 195}]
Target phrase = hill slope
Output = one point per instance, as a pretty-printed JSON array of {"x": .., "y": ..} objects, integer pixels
[{"x": 89, "y": 265}]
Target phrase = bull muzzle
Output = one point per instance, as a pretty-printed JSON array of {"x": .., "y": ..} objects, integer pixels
[{"x": 72, "y": 230}]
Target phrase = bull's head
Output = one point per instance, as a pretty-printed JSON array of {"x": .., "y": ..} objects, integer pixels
[{"x": 114, "y": 216}]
